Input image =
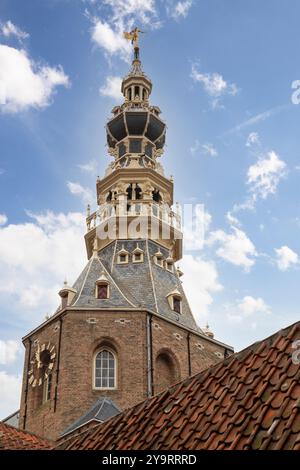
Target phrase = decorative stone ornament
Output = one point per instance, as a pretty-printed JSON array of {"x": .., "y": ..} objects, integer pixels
[{"x": 42, "y": 364}]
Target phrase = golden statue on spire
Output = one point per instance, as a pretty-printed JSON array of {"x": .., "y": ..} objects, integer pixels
[{"x": 133, "y": 36}]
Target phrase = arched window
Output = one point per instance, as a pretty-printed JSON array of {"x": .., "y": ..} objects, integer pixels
[
  {"x": 105, "y": 370},
  {"x": 156, "y": 195},
  {"x": 166, "y": 371}
]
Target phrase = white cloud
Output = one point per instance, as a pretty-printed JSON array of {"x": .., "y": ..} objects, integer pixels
[
  {"x": 23, "y": 83},
  {"x": 286, "y": 258},
  {"x": 180, "y": 9},
  {"x": 9, "y": 29},
  {"x": 36, "y": 257},
  {"x": 8, "y": 351},
  {"x": 90, "y": 167},
  {"x": 232, "y": 220},
  {"x": 112, "y": 88},
  {"x": 112, "y": 41},
  {"x": 85, "y": 193},
  {"x": 205, "y": 149},
  {"x": 209, "y": 149},
  {"x": 252, "y": 139},
  {"x": 196, "y": 222},
  {"x": 3, "y": 219},
  {"x": 10, "y": 392},
  {"x": 264, "y": 176},
  {"x": 256, "y": 119},
  {"x": 248, "y": 307},
  {"x": 236, "y": 247},
  {"x": 124, "y": 15},
  {"x": 214, "y": 84},
  {"x": 200, "y": 281},
  {"x": 144, "y": 10}
]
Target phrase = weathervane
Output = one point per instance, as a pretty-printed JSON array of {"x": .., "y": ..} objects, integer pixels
[{"x": 133, "y": 36}]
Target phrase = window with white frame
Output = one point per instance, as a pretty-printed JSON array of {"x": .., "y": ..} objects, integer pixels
[
  {"x": 123, "y": 257},
  {"x": 169, "y": 265},
  {"x": 177, "y": 304},
  {"x": 158, "y": 259},
  {"x": 102, "y": 290},
  {"x": 137, "y": 256},
  {"x": 105, "y": 369}
]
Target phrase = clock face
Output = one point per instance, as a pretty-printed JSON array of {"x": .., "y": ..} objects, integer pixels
[{"x": 41, "y": 364}]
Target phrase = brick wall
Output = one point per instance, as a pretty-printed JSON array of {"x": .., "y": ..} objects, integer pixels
[{"x": 83, "y": 332}]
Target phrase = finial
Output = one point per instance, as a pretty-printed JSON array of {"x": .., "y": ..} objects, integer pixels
[
  {"x": 133, "y": 36},
  {"x": 88, "y": 210},
  {"x": 65, "y": 282}
]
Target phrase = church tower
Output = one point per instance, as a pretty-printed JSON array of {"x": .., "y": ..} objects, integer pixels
[{"x": 124, "y": 331}]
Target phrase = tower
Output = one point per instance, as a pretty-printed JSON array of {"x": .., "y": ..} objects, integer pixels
[{"x": 124, "y": 331}]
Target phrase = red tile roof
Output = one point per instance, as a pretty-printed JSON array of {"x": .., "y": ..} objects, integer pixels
[
  {"x": 251, "y": 400},
  {"x": 15, "y": 439}
]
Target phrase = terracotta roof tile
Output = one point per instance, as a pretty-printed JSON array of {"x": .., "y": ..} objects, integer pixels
[
  {"x": 249, "y": 401},
  {"x": 15, "y": 439}
]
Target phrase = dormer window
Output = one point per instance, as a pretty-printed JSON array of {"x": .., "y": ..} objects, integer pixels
[
  {"x": 158, "y": 259},
  {"x": 102, "y": 291},
  {"x": 123, "y": 256},
  {"x": 175, "y": 301},
  {"x": 177, "y": 304},
  {"x": 102, "y": 287},
  {"x": 169, "y": 263},
  {"x": 137, "y": 255}
]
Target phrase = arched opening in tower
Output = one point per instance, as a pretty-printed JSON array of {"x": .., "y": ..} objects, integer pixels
[
  {"x": 156, "y": 196},
  {"x": 166, "y": 371}
]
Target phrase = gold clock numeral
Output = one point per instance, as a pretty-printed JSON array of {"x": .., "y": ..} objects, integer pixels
[{"x": 31, "y": 379}]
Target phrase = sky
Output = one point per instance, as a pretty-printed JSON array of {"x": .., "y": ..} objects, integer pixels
[{"x": 226, "y": 76}]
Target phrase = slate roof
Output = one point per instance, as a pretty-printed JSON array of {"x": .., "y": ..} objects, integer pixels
[
  {"x": 16, "y": 439},
  {"x": 251, "y": 400},
  {"x": 134, "y": 285},
  {"x": 103, "y": 409}
]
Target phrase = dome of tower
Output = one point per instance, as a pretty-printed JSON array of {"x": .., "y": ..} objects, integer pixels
[{"x": 137, "y": 123}]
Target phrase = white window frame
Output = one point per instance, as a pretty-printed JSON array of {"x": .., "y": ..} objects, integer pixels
[
  {"x": 123, "y": 253},
  {"x": 138, "y": 252},
  {"x": 111, "y": 351},
  {"x": 102, "y": 283},
  {"x": 159, "y": 260},
  {"x": 180, "y": 303},
  {"x": 170, "y": 266}
]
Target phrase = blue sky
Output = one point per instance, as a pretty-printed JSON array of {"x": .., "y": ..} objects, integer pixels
[{"x": 222, "y": 74}]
